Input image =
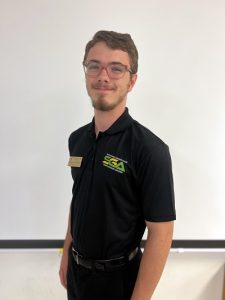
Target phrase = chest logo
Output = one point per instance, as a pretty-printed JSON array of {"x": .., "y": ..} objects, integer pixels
[{"x": 114, "y": 163}]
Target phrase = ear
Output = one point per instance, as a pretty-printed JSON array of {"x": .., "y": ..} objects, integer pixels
[{"x": 133, "y": 79}]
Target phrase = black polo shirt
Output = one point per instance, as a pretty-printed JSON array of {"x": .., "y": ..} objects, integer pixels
[{"x": 121, "y": 178}]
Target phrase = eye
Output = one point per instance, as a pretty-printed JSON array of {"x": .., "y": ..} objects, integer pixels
[
  {"x": 93, "y": 66},
  {"x": 117, "y": 68}
]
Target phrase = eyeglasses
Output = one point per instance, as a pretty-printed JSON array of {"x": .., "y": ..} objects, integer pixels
[{"x": 114, "y": 70}]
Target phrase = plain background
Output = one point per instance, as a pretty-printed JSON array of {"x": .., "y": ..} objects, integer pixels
[{"x": 179, "y": 95}]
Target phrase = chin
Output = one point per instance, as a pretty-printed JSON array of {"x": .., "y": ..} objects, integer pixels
[{"x": 103, "y": 106}]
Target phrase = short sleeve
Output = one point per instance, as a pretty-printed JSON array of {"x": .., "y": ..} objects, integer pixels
[{"x": 155, "y": 180}]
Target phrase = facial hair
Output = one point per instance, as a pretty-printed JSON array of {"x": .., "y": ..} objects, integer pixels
[
  {"x": 102, "y": 105},
  {"x": 99, "y": 102}
]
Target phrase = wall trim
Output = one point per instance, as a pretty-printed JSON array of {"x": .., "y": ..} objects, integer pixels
[{"x": 50, "y": 244}]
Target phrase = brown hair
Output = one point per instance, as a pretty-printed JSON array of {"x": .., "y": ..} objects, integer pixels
[{"x": 115, "y": 40}]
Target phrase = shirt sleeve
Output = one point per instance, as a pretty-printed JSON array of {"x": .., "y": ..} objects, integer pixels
[{"x": 156, "y": 185}]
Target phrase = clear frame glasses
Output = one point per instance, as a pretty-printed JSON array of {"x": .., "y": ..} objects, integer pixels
[{"x": 114, "y": 70}]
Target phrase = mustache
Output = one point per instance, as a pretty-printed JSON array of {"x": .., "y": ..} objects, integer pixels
[{"x": 102, "y": 85}]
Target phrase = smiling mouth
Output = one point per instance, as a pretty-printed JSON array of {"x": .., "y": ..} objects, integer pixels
[
  {"x": 102, "y": 87},
  {"x": 103, "y": 90}
]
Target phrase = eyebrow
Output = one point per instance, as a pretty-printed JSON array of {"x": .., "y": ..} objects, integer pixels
[
  {"x": 94, "y": 60},
  {"x": 112, "y": 62}
]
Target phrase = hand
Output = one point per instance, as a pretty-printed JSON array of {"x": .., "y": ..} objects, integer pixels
[{"x": 63, "y": 269}]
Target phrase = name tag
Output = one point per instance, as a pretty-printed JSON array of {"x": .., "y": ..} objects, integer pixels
[{"x": 75, "y": 161}]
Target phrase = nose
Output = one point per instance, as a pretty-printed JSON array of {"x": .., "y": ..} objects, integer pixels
[{"x": 103, "y": 74}]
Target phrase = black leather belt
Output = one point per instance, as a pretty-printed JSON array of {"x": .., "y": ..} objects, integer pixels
[{"x": 103, "y": 265}]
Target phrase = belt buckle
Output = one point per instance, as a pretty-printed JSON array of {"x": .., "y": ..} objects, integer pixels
[{"x": 99, "y": 266}]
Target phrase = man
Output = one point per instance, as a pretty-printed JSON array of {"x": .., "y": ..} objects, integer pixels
[{"x": 122, "y": 183}]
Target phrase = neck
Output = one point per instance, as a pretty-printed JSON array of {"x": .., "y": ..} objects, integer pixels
[{"x": 105, "y": 119}]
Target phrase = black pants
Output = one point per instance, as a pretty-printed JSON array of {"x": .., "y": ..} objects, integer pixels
[{"x": 85, "y": 284}]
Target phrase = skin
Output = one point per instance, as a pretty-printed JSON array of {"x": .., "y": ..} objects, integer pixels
[
  {"x": 64, "y": 259},
  {"x": 154, "y": 257},
  {"x": 108, "y": 97}
]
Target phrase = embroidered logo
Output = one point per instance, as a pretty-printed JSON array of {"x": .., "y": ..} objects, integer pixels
[{"x": 114, "y": 163}]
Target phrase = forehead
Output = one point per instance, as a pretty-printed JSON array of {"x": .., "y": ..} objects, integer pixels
[{"x": 104, "y": 54}]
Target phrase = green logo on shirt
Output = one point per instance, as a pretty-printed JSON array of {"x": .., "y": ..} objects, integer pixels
[{"x": 114, "y": 163}]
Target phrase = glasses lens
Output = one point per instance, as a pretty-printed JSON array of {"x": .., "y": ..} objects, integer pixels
[
  {"x": 92, "y": 68},
  {"x": 116, "y": 70}
]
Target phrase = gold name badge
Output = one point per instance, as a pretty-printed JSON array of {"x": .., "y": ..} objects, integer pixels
[{"x": 75, "y": 161}]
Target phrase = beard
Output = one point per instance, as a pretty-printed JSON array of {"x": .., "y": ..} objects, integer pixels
[{"x": 101, "y": 102}]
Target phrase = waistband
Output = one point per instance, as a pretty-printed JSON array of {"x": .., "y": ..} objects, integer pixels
[{"x": 103, "y": 265}]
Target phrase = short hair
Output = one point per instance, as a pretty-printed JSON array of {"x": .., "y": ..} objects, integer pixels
[{"x": 115, "y": 40}]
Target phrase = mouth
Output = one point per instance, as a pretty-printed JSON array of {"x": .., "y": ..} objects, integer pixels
[{"x": 103, "y": 88}]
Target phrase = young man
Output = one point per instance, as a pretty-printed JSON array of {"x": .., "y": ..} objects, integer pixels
[{"x": 122, "y": 183}]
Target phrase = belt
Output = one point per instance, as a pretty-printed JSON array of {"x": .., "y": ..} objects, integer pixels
[{"x": 103, "y": 265}]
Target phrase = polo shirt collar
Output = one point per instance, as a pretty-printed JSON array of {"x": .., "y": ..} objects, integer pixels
[{"x": 119, "y": 125}]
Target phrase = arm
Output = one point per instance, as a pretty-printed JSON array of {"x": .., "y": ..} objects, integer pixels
[
  {"x": 153, "y": 260},
  {"x": 64, "y": 259}
]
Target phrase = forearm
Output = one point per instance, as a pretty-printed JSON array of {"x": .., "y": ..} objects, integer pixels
[
  {"x": 68, "y": 238},
  {"x": 152, "y": 263},
  {"x": 64, "y": 259}
]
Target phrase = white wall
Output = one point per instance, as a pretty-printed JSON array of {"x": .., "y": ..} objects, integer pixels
[
  {"x": 179, "y": 95},
  {"x": 187, "y": 276}
]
